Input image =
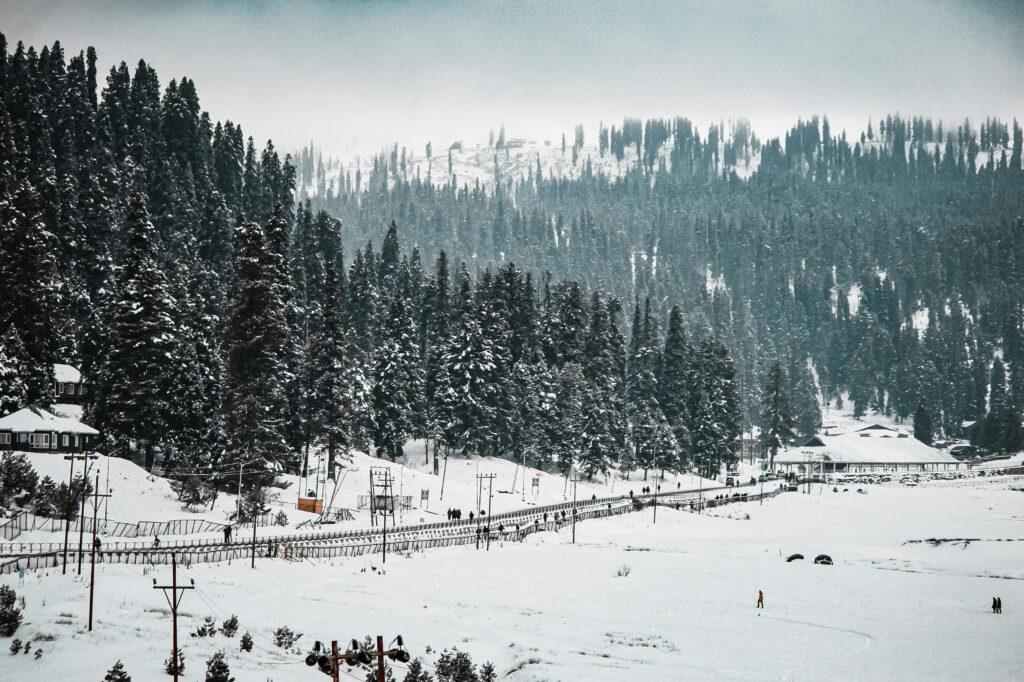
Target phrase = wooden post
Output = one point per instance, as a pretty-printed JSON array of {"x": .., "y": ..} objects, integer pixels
[
  {"x": 67, "y": 512},
  {"x": 92, "y": 568},
  {"x": 255, "y": 519},
  {"x": 335, "y": 664},
  {"x": 81, "y": 518},
  {"x": 173, "y": 600},
  {"x": 380, "y": 658},
  {"x": 174, "y": 616}
]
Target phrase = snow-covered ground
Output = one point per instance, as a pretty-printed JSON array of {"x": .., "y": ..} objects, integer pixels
[
  {"x": 139, "y": 496},
  {"x": 889, "y": 609}
]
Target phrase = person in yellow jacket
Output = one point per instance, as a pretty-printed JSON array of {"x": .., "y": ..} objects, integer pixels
[{"x": 760, "y": 599}]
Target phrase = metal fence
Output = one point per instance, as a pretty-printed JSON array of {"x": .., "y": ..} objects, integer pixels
[{"x": 14, "y": 526}]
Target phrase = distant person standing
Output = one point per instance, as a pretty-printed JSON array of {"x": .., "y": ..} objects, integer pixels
[
  {"x": 995, "y": 604},
  {"x": 999, "y": 604},
  {"x": 760, "y": 599}
]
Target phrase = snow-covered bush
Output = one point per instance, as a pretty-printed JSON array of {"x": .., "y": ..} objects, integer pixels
[
  {"x": 416, "y": 673},
  {"x": 15, "y": 646},
  {"x": 281, "y": 519},
  {"x": 169, "y": 664},
  {"x": 246, "y": 643},
  {"x": 285, "y": 638},
  {"x": 207, "y": 629},
  {"x": 217, "y": 669},
  {"x": 117, "y": 674},
  {"x": 623, "y": 571},
  {"x": 10, "y": 615},
  {"x": 229, "y": 627},
  {"x": 455, "y": 666},
  {"x": 194, "y": 492},
  {"x": 18, "y": 480}
]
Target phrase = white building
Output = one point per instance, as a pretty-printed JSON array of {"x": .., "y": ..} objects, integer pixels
[
  {"x": 67, "y": 384},
  {"x": 874, "y": 448},
  {"x": 33, "y": 428}
]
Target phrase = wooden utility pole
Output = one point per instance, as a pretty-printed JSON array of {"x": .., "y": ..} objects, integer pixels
[
  {"x": 173, "y": 601},
  {"x": 575, "y": 480},
  {"x": 92, "y": 569},
  {"x": 258, "y": 506},
  {"x": 68, "y": 512},
  {"x": 334, "y": 661},
  {"x": 490, "y": 495},
  {"x": 81, "y": 516},
  {"x": 380, "y": 658}
]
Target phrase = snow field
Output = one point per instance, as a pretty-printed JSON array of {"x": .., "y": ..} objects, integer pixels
[{"x": 886, "y": 610}]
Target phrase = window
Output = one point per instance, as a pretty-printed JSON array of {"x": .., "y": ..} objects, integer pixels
[
  {"x": 41, "y": 440},
  {"x": 60, "y": 388},
  {"x": 71, "y": 389},
  {"x": 5, "y": 439},
  {"x": 64, "y": 440},
  {"x": 23, "y": 438}
]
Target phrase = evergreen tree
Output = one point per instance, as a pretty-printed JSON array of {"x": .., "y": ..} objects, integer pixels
[
  {"x": 217, "y": 669},
  {"x": 28, "y": 270},
  {"x": 14, "y": 364},
  {"x": 398, "y": 380},
  {"x": 117, "y": 674},
  {"x": 922, "y": 424},
  {"x": 133, "y": 399},
  {"x": 330, "y": 398},
  {"x": 256, "y": 338},
  {"x": 416, "y": 673},
  {"x": 673, "y": 384},
  {"x": 777, "y": 419}
]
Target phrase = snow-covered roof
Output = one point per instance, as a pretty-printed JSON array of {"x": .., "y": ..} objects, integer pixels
[
  {"x": 66, "y": 374},
  {"x": 873, "y": 444},
  {"x": 36, "y": 419}
]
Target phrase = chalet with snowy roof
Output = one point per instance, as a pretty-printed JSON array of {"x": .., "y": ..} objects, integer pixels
[
  {"x": 67, "y": 384},
  {"x": 33, "y": 428},
  {"x": 872, "y": 449}
]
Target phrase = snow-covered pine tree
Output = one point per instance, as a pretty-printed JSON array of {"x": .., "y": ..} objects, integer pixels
[
  {"x": 416, "y": 672},
  {"x": 436, "y": 318},
  {"x": 28, "y": 270},
  {"x": 567, "y": 435},
  {"x": 496, "y": 294},
  {"x": 330, "y": 397},
  {"x": 922, "y": 424},
  {"x": 603, "y": 410},
  {"x": 133, "y": 397},
  {"x": 777, "y": 419},
  {"x": 217, "y": 669},
  {"x": 117, "y": 673},
  {"x": 255, "y": 403},
  {"x": 14, "y": 363},
  {"x": 466, "y": 383},
  {"x": 673, "y": 385},
  {"x": 804, "y": 399},
  {"x": 398, "y": 380}
]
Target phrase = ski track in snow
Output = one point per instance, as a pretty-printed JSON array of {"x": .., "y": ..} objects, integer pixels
[{"x": 869, "y": 641}]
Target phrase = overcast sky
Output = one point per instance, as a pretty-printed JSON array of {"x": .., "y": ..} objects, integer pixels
[{"x": 354, "y": 76}]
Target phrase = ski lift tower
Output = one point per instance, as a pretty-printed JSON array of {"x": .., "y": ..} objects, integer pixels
[{"x": 382, "y": 495}]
